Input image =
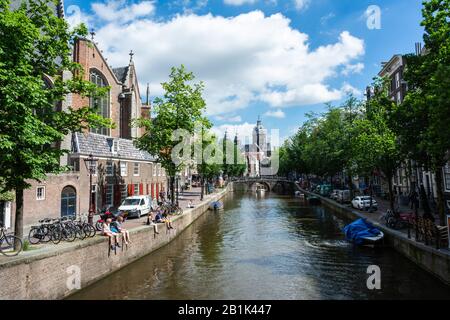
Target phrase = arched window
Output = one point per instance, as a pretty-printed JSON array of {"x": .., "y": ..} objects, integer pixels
[
  {"x": 68, "y": 201},
  {"x": 101, "y": 103}
]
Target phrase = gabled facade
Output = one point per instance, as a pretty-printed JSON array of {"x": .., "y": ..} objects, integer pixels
[{"x": 122, "y": 170}]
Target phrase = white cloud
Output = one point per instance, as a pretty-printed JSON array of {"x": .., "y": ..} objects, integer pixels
[
  {"x": 353, "y": 68},
  {"x": 229, "y": 118},
  {"x": 121, "y": 11},
  {"x": 243, "y": 130},
  {"x": 349, "y": 89},
  {"x": 238, "y": 2},
  {"x": 301, "y": 4},
  {"x": 242, "y": 60},
  {"x": 275, "y": 114}
]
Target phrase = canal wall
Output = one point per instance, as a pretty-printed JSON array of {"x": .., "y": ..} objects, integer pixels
[
  {"x": 53, "y": 273},
  {"x": 434, "y": 261}
]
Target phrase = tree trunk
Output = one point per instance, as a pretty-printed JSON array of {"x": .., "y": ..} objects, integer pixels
[
  {"x": 202, "y": 192},
  {"x": 172, "y": 190},
  {"x": 350, "y": 186},
  {"x": 391, "y": 192},
  {"x": 18, "y": 224},
  {"x": 440, "y": 196}
]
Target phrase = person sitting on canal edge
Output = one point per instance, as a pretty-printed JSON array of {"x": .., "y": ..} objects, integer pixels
[
  {"x": 111, "y": 234},
  {"x": 162, "y": 218},
  {"x": 118, "y": 226}
]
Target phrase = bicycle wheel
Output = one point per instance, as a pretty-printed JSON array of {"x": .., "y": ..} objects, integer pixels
[
  {"x": 46, "y": 236},
  {"x": 35, "y": 235},
  {"x": 55, "y": 235},
  {"x": 89, "y": 230},
  {"x": 68, "y": 234},
  {"x": 7, "y": 245},
  {"x": 79, "y": 232}
]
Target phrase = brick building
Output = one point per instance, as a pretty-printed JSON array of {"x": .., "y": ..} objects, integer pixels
[
  {"x": 122, "y": 170},
  {"x": 410, "y": 175}
]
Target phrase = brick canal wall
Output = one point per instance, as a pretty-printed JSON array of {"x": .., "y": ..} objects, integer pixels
[
  {"x": 436, "y": 262},
  {"x": 45, "y": 275}
]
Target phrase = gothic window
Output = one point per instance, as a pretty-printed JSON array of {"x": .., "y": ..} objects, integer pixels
[{"x": 101, "y": 104}]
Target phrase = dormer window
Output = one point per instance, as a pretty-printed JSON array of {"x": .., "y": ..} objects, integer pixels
[{"x": 113, "y": 145}]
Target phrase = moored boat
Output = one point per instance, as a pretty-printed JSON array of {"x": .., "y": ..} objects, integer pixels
[{"x": 363, "y": 233}]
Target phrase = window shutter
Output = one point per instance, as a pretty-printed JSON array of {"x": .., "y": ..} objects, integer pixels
[
  {"x": 157, "y": 190},
  {"x": 130, "y": 190},
  {"x": 153, "y": 191}
]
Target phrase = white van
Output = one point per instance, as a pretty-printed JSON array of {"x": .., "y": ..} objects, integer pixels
[{"x": 135, "y": 206}]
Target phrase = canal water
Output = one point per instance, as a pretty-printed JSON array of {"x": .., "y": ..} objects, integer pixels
[{"x": 266, "y": 247}]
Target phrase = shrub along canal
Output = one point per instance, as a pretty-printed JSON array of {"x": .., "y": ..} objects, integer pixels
[{"x": 266, "y": 247}]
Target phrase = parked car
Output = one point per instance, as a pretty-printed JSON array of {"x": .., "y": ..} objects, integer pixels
[
  {"x": 343, "y": 196},
  {"x": 136, "y": 206},
  {"x": 363, "y": 202}
]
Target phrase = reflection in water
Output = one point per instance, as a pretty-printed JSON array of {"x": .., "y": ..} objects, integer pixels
[{"x": 265, "y": 247}]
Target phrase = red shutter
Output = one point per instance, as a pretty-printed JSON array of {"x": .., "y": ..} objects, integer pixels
[
  {"x": 130, "y": 190},
  {"x": 141, "y": 189},
  {"x": 152, "y": 191},
  {"x": 157, "y": 191}
]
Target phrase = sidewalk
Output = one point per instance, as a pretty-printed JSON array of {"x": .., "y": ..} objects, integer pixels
[{"x": 130, "y": 224}]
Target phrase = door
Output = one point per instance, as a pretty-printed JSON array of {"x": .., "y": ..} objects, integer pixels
[{"x": 68, "y": 201}]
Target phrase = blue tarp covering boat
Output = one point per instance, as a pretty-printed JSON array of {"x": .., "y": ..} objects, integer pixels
[{"x": 362, "y": 232}]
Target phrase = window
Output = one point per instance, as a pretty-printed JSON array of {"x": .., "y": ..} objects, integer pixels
[
  {"x": 136, "y": 189},
  {"x": 136, "y": 168},
  {"x": 397, "y": 80},
  {"x": 447, "y": 176},
  {"x": 115, "y": 147},
  {"x": 101, "y": 104},
  {"x": 68, "y": 201},
  {"x": 40, "y": 193},
  {"x": 123, "y": 169},
  {"x": 109, "y": 195},
  {"x": 159, "y": 170},
  {"x": 154, "y": 169},
  {"x": 109, "y": 168}
]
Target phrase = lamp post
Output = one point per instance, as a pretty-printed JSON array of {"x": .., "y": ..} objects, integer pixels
[{"x": 91, "y": 167}]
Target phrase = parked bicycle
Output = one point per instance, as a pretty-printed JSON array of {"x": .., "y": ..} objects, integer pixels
[
  {"x": 171, "y": 209},
  {"x": 398, "y": 221},
  {"x": 7, "y": 243}
]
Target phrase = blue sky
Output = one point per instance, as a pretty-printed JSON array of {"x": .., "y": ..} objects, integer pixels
[{"x": 261, "y": 57}]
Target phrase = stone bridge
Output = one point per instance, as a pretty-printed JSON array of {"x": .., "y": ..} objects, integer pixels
[{"x": 270, "y": 183}]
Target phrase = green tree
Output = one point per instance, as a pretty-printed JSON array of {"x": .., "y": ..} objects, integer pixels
[
  {"x": 35, "y": 43},
  {"x": 181, "y": 108},
  {"x": 425, "y": 133},
  {"x": 375, "y": 142}
]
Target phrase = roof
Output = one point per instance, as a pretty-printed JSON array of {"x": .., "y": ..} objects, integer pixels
[
  {"x": 99, "y": 145},
  {"x": 121, "y": 73}
]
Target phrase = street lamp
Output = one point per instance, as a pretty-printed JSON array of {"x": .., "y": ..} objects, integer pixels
[{"x": 91, "y": 167}]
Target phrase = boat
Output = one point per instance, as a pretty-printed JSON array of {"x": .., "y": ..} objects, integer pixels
[
  {"x": 363, "y": 233},
  {"x": 216, "y": 205}
]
